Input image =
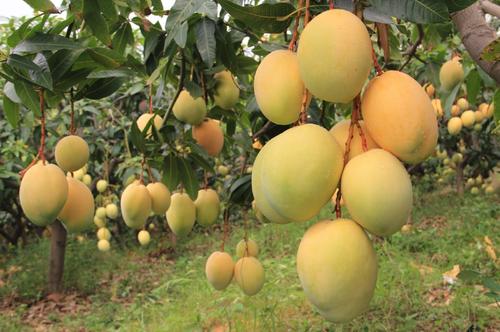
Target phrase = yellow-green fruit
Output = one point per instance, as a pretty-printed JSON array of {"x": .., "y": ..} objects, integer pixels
[
  {"x": 101, "y": 212},
  {"x": 207, "y": 207},
  {"x": 103, "y": 234},
  {"x": 451, "y": 74},
  {"x": 219, "y": 269},
  {"x": 474, "y": 190},
  {"x": 87, "y": 180},
  {"x": 223, "y": 170},
  {"x": 463, "y": 104},
  {"x": 399, "y": 116},
  {"x": 144, "y": 119},
  {"x": 468, "y": 119},
  {"x": 71, "y": 153},
  {"x": 457, "y": 157},
  {"x": 341, "y": 131},
  {"x": 112, "y": 211},
  {"x": 488, "y": 113},
  {"x": 79, "y": 174},
  {"x": 454, "y": 125},
  {"x": 99, "y": 222},
  {"x": 78, "y": 211},
  {"x": 144, "y": 237},
  {"x": 181, "y": 214},
  {"x": 260, "y": 217},
  {"x": 478, "y": 116},
  {"x": 135, "y": 206},
  {"x": 446, "y": 161},
  {"x": 160, "y": 197},
  {"x": 470, "y": 182},
  {"x": 342, "y": 41},
  {"x": 190, "y": 110},
  {"x": 364, "y": 178},
  {"x": 103, "y": 245},
  {"x": 227, "y": 93},
  {"x": 455, "y": 110},
  {"x": 249, "y": 275},
  {"x": 247, "y": 248},
  {"x": 479, "y": 179},
  {"x": 101, "y": 186},
  {"x": 489, "y": 189},
  {"x": 278, "y": 87},
  {"x": 337, "y": 267},
  {"x": 478, "y": 127},
  {"x": 308, "y": 150},
  {"x": 43, "y": 192},
  {"x": 209, "y": 136}
]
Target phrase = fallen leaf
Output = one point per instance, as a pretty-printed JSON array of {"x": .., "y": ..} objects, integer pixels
[{"x": 450, "y": 277}]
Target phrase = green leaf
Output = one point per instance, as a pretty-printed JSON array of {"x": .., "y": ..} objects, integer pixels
[
  {"x": 469, "y": 276},
  {"x": 10, "y": 91},
  {"x": 28, "y": 96},
  {"x": 450, "y": 99},
  {"x": 157, "y": 72},
  {"x": 491, "y": 53},
  {"x": 208, "y": 9},
  {"x": 61, "y": 61},
  {"x": 205, "y": 41},
  {"x": 100, "y": 88},
  {"x": 200, "y": 161},
  {"x": 123, "y": 37},
  {"x": 122, "y": 72},
  {"x": 11, "y": 111},
  {"x": 21, "y": 62},
  {"x": 44, "y": 42},
  {"x": 473, "y": 83},
  {"x": 491, "y": 284},
  {"x": 188, "y": 179},
  {"x": 272, "y": 18},
  {"x": 180, "y": 11},
  {"x": 41, "y": 77},
  {"x": 45, "y": 6},
  {"x": 71, "y": 79},
  {"x": 95, "y": 21},
  {"x": 417, "y": 11},
  {"x": 181, "y": 35},
  {"x": 171, "y": 171},
  {"x": 241, "y": 190},
  {"x": 456, "y": 5},
  {"x": 106, "y": 57},
  {"x": 137, "y": 138}
]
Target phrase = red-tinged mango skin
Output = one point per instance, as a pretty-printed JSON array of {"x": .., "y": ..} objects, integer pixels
[
  {"x": 399, "y": 116},
  {"x": 135, "y": 204},
  {"x": 278, "y": 87},
  {"x": 188, "y": 109},
  {"x": 77, "y": 214},
  {"x": 219, "y": 270},
  {"x": 249, "y": 275},
  {"x": 181, "y": 214},
  {"x": 334, "y": 56},
  {"x": 160, "y": 197},
  {"x": 377, "y": 192},
  {"x": 209, "y": 136},
  {"x": 43, "y": 193},
  {"x": 337, "y": 267},
  {"x": 297, "y": 172},
  {"x": 451, "y": 74},
  {"x": 341, "y": 131},
  {"x": 227, "y": 93},
  {"x": 207, "y": 207},
  {"x": 71, "y": 153}
]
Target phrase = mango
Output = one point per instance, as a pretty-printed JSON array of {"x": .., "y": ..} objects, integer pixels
[
  {"x": 468, "y": 118},
  {"x": 101, "y": 212},
  {"x": 71, "y": 153},
  {"x": 219, "y": 270},
  {"x": 455, "y": 110},
  {"x": 227, "y": 92},
  {"x": 278, "y": 87},
  {"x": 112, "y": 211},
  {"x": 181, "y": 214},
  {"x": 463, "y": 104},
  {"x": 43, "y": 193},
  {"x": 207, "y": 207},
  {"x": 249, "y": 275},
  {"x": 144, "y": 119},
  {"x": 103, "y": 234},
  {"x": 103, "y": 245},
  {"x": 87, "y": 180},
  {"x": 209, "y": 136},
  {"x": 143, "y": 237},
  {"x": 260, "y": 217},
  {"x": 247, "y": 248},
  {"x": 78, "y": 212},
  {"x": 101, "y": 185},
  {"x": 160, "y": 197},
  {"x": 377, "y": 192},
  {"x": 135, "y": 206},
  {"x": 188, "y": 109},
  {"x": 478, "y": 116},
  {"x": 341, "y": 131},
  {"x": 438, "y": 108},
  {"x": 337, "y": 267},
  {"x": 342, "y": 42},
  {"x": 454, "y": 125},
  {"x": 488, "y": 112},
  {"x": 399, "y": 116},
  {"x": 451, "y": 74}
]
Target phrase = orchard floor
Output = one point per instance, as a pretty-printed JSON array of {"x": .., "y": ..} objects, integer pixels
[{"x": 155, "y": 289}]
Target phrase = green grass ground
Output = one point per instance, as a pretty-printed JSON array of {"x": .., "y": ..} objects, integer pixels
[{"x": 154, "y": 289}]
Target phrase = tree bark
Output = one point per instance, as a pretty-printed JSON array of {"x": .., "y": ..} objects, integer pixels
[
  {"x": 459, "y": 179},
  {"x": 476, "y": 34},
  {"x": 57, "y": 251}
]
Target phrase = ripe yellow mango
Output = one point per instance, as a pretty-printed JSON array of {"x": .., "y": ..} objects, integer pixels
[
  {"x": 377, "y": 192},
  {"x": 188, "y": 109},
  {"x": 399, "y": 116},
  {"x": 219, "y": 269},
  {"x": 468, "y": 118},
  {"x": 451, "y": 74},
  {"x": 135, "y": 205},
  {"x": 78, "y": 211},
  {"x": 247, "y": 248},
  {"x": 143, "y": 237},
  {"x": 103, "y": 234},
  {"x": 478, "y": 116},
  {"x": 144, "y": 119},
  {"x": 455, "y": 110},
  {"x": 454, "y": 125},
  {"x": 71, "y": 153},
  {"x": 249, "y": 275},
  {"x": 181, "y": 214},
  {"x": 278, "y": 87},
  {"x": 103, "y": 245},
  {"x": 341, "y": 131},
  {"x": 227, "y": 93},
  {"x": 334, "y": 56},
  {"x": 160, "y": 197},
  {"x": 42, "y": 193},
  {"x": 463, "y": 104},
  {"x": 209, "y": 136},
  {"x": 207, "y": 207},
  {"x": 337, "y": 267}
]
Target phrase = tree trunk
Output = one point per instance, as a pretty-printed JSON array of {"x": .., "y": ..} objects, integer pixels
[
  {"x": 57, "y": 251},
  {"x": 476, "y": 35},
  {"x": 459, "y": 178}
]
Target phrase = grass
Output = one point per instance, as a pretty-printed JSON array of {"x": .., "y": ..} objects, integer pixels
[{"x": 154, "y": 289}]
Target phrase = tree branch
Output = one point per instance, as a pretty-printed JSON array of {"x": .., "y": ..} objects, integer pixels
[
  {"x": 490, "y": 8},
  {"x": 263, "y": 130},
  {"x": 413, "y": 49}
]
